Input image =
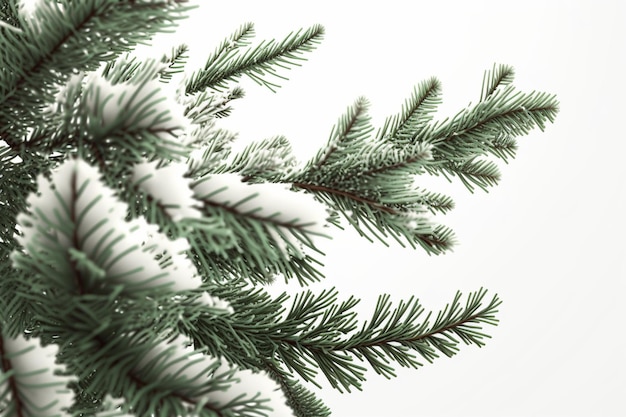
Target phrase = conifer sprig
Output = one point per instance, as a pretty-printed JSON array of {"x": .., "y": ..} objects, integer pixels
[
  {"x": 225, "y": 52},
  {"x": 320, "y": 334},
  {"x": 302, "y": 401},
  {"x": 259, "y": 63},
  {"x": 210, "y": 105},
  {"x": 175, "y": 62},
  {"x": 377, "y": 176},
  {"x": 418, "y": 110},
  {"x": 266, "y": 243},
  {"x": 352, "y": 130},
  {"x": 499, "y": 75},
  {"x": 79, "y": 36}
]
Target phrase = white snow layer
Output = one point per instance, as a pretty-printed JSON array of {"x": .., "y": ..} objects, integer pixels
[
  {"x": 42, "y": 392},
  {"x": 31, "y": 14},
  {"x": 73, "y": 84},
  {"x": 169, "y": 187},
  {"x": 197, "y": 367},
  {"x": 139, "y": 103},
  {"x": 274, "y": 202},
  {"x": 75, "y": 210},
  {"x": 251, "y": 383}
]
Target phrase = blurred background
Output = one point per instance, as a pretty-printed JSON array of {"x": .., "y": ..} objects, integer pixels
[{"x": 549, "y": 239}]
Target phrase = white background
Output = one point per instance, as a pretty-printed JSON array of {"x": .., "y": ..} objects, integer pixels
[{"x": 549, "y": 239}]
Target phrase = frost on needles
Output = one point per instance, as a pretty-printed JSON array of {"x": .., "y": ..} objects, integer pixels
[{"x": 136, "y": 244}]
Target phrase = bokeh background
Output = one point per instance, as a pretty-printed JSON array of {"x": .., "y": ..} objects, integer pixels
[{"x": 549, "y": 239}]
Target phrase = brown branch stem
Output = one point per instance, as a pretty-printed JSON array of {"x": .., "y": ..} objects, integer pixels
[{"x": 352, "y": 196}]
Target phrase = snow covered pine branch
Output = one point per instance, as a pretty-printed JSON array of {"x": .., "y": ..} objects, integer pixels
[{"x": 136, "y": 243}]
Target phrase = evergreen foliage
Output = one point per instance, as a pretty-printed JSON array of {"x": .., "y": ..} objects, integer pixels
[{"x": 135, "y": 245}]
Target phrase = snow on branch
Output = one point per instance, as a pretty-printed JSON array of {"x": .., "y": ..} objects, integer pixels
[
  {"x": 272, "y": 202},
  {"x": 210, "y": 382},
  {"x": 30, "y": 383},
  {"x": 288, "y": 216},
  {"x": 33, "y": 14},
  {"x": 79, "y": 220},
  {"x": 137, "y": 103},
  {"x": 168, "y": 186}
]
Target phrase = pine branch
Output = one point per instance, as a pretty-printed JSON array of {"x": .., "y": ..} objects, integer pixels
[
  {"x": 392, "y": 335},
  {"x": 500, "y": 75},
  {"x": 268, "y": 160},
  {"x": 302, "y": 401},
  {"x": 489, "y": 127},
  {"x": 480, "y": 130},
  {"x": 123, "y": 70},
  {"x": 157, "y": 376},
  {"x": 213, "y": 147},
  {"x": 128, "y": 101},
  {"x": 257, "y": 63},
  {"x": 141, "y": 270},
  {"x": 415, "y": 198},
  {"x": 481, "y": 173},
  {"x": 417, "y": 111},
  {"x": 76, "y": 236},
  {"x": 270, "y": 237},
  {"x": 318, "y": 334},
  {"x": 504, "y": 147},
  {"x": 209, "y": 105},
  {"x": 30, "y": 379},
  {"x": 505, "y": 112},
  {"x": 352, "y": 130},
  {"x": 97, "y": 32},
  {"x": 378, "y": 222},
  {"x": 222, "y": 55},
  {"x": 347, "y": 176},
  {"x": 83, "y": 261},
  {"x": 391, "y": 209},
  {"x": 175, "y": 62},
  {"x": 130, "y": 121}
]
